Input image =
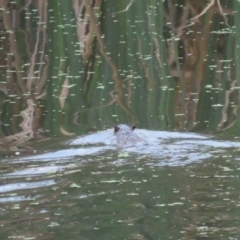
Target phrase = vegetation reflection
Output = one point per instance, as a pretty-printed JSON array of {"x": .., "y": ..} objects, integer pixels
[{"x": 70, "y": 66}]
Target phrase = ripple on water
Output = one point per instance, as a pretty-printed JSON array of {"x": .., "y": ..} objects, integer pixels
[{"x": 164, "y": 148}]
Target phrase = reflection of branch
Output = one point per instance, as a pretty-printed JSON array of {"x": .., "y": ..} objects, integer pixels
[
  {"x": 225, "y": 108},
  {"x": 26, "y": 5},
  {"x": 221, "y": 11},
  {"x": 184, "y": 19},
  {"x": 204, "y": 10},
  {"x": 42, "y": 74},
  {"x": 7, "y": 19},
  {"x": 31, "y": 75},
  {"x": 114, "y": 99},
  {"x": 129, "y": 89},
  {"x": 126, "y": 9},
  {"x": 144, "y": 66},
  {"x": 27, "y": 133},
  {"x": 81, "y": 23},
  {"x": 62, "y": 98},
  {"x": 209, "y": 6},
  {"x": 116, "y": 76},
  {"x": 218, "y": 8}
]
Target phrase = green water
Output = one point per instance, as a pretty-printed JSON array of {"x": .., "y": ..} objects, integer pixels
[
  {"x": 71, "y": 68},
  {"x": 117, "y": 196}
]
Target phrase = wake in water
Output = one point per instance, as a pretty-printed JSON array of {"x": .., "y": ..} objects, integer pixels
[{"x": 161, "y": 147}]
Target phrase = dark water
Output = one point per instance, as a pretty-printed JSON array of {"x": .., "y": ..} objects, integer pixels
[
  {"x": 96, "y": 190},
  {"x": 70, "y": 70}
]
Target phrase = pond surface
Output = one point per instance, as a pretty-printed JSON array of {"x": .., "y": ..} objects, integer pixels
[
  {"x": 71, "y": 69},
  {"x": 177, "y": 186}
]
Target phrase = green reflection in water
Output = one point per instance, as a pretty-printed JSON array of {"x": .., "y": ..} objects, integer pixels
[{"x": 71, "y": 67}]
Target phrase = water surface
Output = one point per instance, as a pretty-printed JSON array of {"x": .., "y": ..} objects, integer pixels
[
  {"x": 70, "y": 70},
  {"x": 186, "y": 186}
]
